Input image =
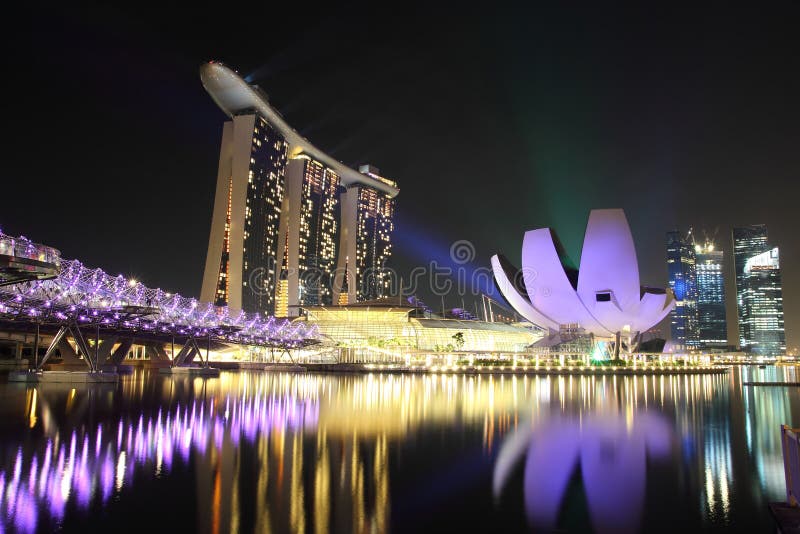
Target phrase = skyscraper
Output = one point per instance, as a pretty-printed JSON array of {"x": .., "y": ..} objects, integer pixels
[
  {"x": 287, "y": 214},
  {"x": 310, "y": 230},
  {"x": 748, "y": 241},
  {"x": 240, "y": 265},
  {"x": 762, "y": 305},
  {"x": 681, "y": 268},
  {"x": 364, "y": 253},
  {"x": 712, "y": 323}
]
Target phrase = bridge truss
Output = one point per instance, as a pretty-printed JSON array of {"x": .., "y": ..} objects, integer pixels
[{"x": 79, "y": 298}]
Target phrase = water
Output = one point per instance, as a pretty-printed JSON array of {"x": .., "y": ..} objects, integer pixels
[{"x": 373, "y": 453}]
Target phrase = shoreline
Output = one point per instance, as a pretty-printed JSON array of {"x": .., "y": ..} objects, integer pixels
[
  {"x": 463, "y": 370},
  {"x": 354, "y": 368}
]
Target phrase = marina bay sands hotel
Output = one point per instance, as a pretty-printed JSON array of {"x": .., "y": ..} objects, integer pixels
[{"x": 291, "y": 225}]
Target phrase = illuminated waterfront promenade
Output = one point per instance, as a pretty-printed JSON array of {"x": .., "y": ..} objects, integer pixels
[
  {"x": 292, "y": 452},
  {"x": 114, "y": 318}
]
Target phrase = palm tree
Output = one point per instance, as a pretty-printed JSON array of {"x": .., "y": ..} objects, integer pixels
[{"x": 458, "y": 337}]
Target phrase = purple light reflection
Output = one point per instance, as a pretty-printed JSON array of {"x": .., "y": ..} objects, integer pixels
[
  {"x": 611, "y": 451},
  {"x": 83, "y": 473}
]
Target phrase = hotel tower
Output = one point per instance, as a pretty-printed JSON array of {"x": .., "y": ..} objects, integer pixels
[{"x": 291, "y": 226}]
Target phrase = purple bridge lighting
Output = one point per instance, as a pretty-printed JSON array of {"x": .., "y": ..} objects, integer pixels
[
  {"x": 76, "y": 296},
  {"x": 22, "y": 260}
]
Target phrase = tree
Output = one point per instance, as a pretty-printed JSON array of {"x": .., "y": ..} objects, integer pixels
[{"x": 458, "y": 337}]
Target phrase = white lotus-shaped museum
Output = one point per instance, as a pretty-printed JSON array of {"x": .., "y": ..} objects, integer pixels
[{"x": 602, "y": 298}]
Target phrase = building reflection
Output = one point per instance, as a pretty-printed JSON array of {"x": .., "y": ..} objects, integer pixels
[
  {"x": 268, "y": 426},
  {"x": 305, "y": 452},
  {"x": 766, "y": 409},
  {"x": 609, "y": 450},
  {"x": 87, "y": 464}
]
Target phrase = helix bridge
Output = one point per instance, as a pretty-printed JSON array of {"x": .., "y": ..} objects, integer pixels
[{"x": 39, "y": 289}]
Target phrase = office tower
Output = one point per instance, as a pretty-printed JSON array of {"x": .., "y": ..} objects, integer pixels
[
  {"x": 681, "y": 267},
  {"x": 748, "y": 241},
  {"x": 712, "y": 324},
  {"x": 240, "y": 267},
  {"x": 366, "y": 245},
  {"x": 762, "y": 326},
  {"x": 289, "y": 220}
]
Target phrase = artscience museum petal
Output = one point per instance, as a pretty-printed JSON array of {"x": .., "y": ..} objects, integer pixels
[{"x": 603, "y": 298}]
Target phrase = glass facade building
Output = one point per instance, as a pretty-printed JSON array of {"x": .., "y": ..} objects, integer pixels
[
  {"x": 748, "y": 241},
  {"x": 392, "y": 333},
  {"x": 712, "y": 323},
  {"x": 759, "y": 294},
  {"x": 762, "y": 325},
  {"x": 681, "y": 268}
]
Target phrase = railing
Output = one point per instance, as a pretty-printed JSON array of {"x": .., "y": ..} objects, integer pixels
[
  {"x": 21, "y": 247},
  {"x": 790, "y": 440},
  {"x": 93, "y": 297}
]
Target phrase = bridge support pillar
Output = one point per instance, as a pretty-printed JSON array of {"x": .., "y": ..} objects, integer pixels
[
  {"x": 68, "y": 354},
  {"x": 183, "y": 354},
  {"x": 60, "y": 341},
  {"x": 104, "y": 349},
  {"x": 189, "y": 352},
  {"x": 156, "y": 352},
  {"x": 122, "y": 351}
]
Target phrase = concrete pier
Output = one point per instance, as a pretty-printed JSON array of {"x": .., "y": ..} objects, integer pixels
[
  {"x": 72, "y": 377},
  {"x": 189, "y": 371},
  {"x": 284, "y": 368},
  {"x": 119, "y": 369},
  {"x": 13, "y": 365},
  {"x": 511, "y": 370}
]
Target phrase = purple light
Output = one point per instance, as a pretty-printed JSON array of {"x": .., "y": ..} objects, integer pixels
[
  {"x": 612, "y": 458},
  {"x": 106, "y": 477},
  {"x": 98, "y": 293},
  {"x": 86, "y": 466},
  {"x": 553, "y": 299}
]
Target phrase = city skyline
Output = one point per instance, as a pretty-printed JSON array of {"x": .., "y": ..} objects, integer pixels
[
  {"x": 418, "y": 267},
  {"x": 511, "y": 146}
]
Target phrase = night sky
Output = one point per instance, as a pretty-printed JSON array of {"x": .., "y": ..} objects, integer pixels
[{"x": 493, "y": 122}]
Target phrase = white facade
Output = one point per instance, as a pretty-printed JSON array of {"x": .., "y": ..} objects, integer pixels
[{"x": 603, "y": 297}]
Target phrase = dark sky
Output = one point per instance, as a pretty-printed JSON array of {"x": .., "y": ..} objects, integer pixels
[{"x": 493, "y": 121}]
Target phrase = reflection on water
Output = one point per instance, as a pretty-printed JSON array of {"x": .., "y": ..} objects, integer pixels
[
  {"x": 373, "y": 453},
  {"x": 608, "y": 449},
  {"x": 91, "y": 463},
  {"x": 762, "y": 404}
]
